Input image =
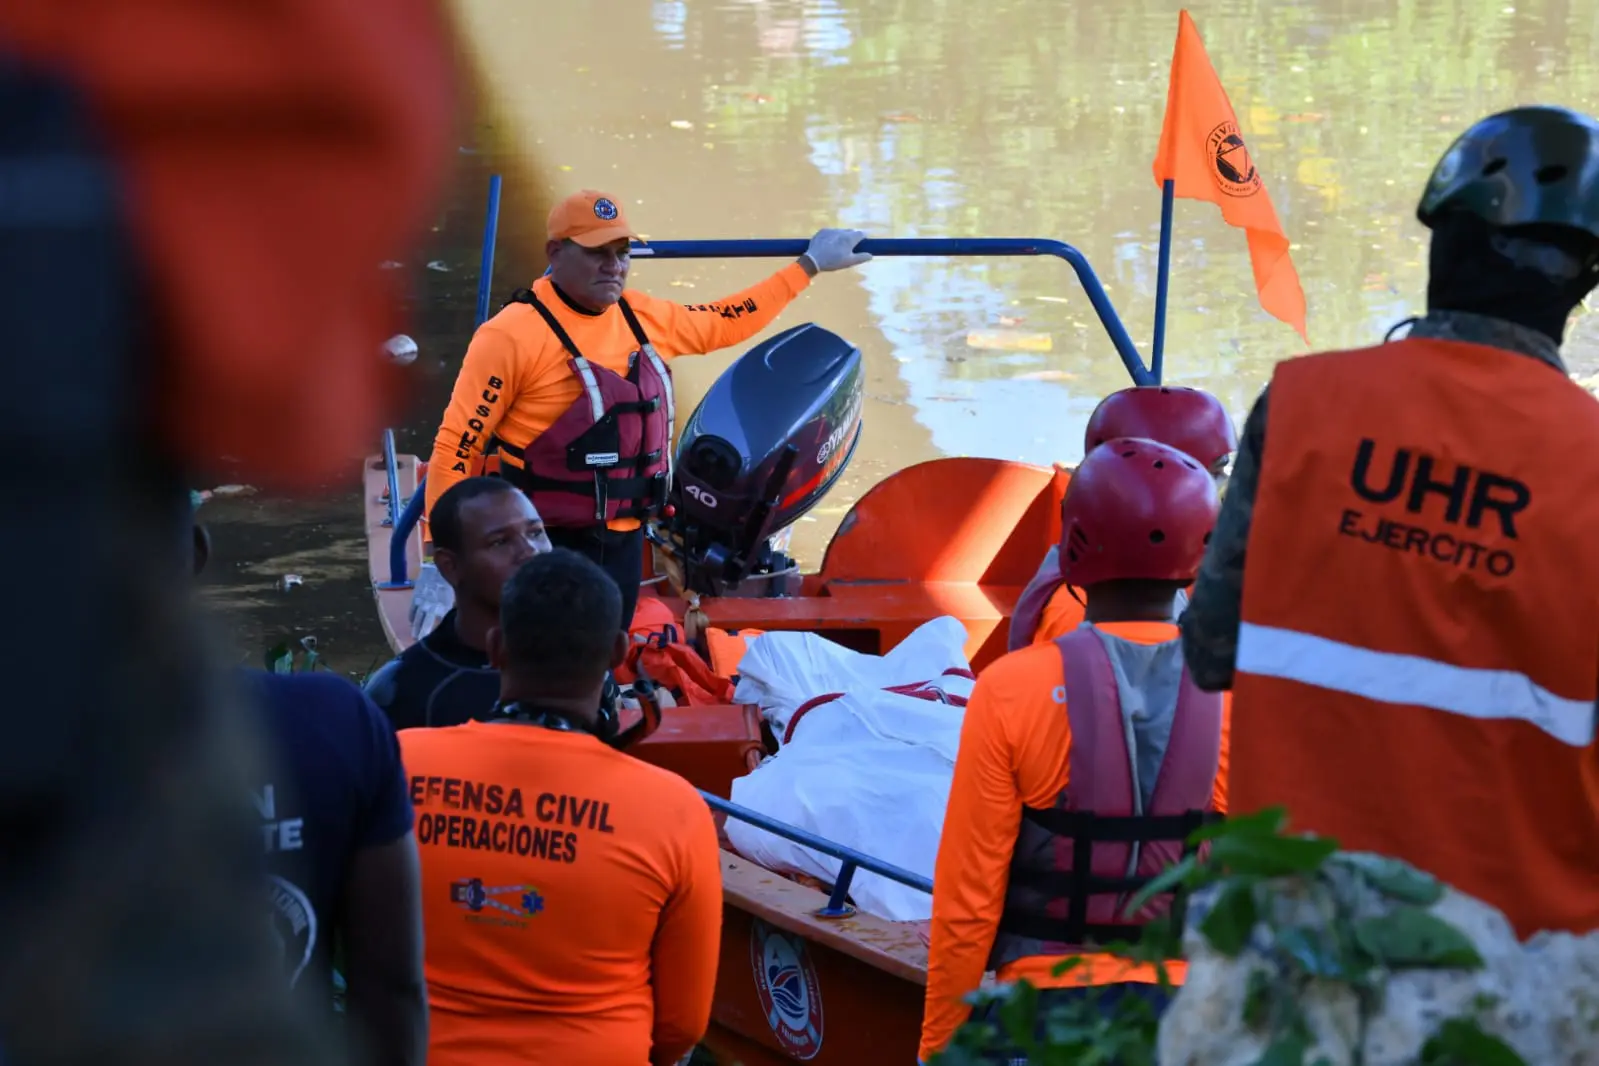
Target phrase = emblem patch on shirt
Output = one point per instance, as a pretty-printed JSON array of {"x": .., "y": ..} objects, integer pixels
[
  {"x": 518, "y": 902},
  {"x": 293, "y": 926},
  {"x": 789, "y": 993},
  {"x": 603, "y": 208}
]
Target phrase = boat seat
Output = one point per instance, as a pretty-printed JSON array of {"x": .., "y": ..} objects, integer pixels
[{"x": 709, "y": 745}]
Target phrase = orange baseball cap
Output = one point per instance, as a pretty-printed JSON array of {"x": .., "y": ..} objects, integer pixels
[{"x": 589, "y": 218}]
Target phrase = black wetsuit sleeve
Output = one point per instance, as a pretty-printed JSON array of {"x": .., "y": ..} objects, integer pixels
[
  {"x": 385, "y": 688},
  {"x": 1210, "y": 624}
]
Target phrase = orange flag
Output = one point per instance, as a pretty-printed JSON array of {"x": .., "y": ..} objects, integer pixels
[{"x": 1202, "y": 153}]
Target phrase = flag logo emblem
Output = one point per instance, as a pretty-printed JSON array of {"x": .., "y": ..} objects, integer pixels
[{"x": 1235, "y": 170}]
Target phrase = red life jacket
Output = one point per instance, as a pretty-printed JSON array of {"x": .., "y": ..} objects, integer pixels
[
  {"x": 1035, "y": 597},
  {"x": 609, "y": 455},
  {"x": 1163, "y": 786}
]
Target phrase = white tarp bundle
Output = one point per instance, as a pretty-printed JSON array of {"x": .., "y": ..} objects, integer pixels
[{"x": 869, "y": 769}]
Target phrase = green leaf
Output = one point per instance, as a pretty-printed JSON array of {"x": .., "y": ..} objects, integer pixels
[
  {"x": 1228, "y": 924},
  {"x": 1311, "y": 951},
  {"x": 1257, "y": 999},
  {"x": 1396, "y": 879},
  {"x": 1172, "y": 877},
  {"x": 1271, "y": 856},
  {"x": 1461, "y": 1042},
  {"x": 1268, "y": 822},
  {"x": 1410, "y": 937},
  {"x": 1158, "y": 944},
  {"x": 1065, "y": 965}
]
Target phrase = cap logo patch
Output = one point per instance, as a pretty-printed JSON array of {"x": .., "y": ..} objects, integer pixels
[{"x": 603, "y": 208}]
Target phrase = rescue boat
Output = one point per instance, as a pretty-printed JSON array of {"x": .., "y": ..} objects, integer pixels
[{"x": 803, "y": 977}]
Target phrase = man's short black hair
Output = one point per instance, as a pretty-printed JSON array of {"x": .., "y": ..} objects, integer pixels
[
  {"x": 559, "y": 617},
  {"x": 445, "y": 521}
]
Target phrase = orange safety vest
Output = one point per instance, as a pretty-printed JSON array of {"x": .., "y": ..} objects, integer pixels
[{"x": 1418, "y": 657}]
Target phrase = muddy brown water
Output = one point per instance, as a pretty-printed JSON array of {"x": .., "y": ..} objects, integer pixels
[{"x": 924, "y": 118}]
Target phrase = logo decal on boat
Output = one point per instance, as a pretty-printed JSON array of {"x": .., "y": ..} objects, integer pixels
[
  {"x": 786, "y": 984},
  {"x": 1235, "y": 170},
  {"x": 603, "y": 208}
]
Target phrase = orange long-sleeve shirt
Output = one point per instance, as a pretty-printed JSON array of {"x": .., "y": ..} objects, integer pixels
[
  {"x": 515, "y": 381},
  {"x": 1014, "y": 753},
  {"x": 572, "y": 898}
]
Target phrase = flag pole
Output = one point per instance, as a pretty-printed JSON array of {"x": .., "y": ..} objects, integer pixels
[{"x": 1157, "y": 355}]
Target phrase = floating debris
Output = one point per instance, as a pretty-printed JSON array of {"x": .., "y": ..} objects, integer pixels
[
  {"x": 1010, "y": 341},
  {"x": 289, "y": 581},
  {"x": 682, "y": 124},
  {"x": 439, "y": 265},
  {"x": 400, "y": 349},
  {"x": 390, "y": 264}
]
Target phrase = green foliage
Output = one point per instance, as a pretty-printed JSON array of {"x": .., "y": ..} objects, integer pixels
[{"x": 1255, "y": 869}]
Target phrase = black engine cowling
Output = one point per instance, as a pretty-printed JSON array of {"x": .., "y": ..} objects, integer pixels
[{"x": 771, "y": 437}]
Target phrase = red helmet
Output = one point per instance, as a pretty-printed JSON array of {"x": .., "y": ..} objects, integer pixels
[
  {"x": 1136, "y": 509},
  {"x": 1187, "y": 419}
]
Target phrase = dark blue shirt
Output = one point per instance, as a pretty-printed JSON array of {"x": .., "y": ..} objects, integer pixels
[{"x": 336, "y": 786}]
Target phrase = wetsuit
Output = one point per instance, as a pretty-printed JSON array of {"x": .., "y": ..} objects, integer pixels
[{"x": 438, "y": 681}]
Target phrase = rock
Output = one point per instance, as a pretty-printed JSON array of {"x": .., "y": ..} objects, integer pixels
[{"x": 1541, "y": 998}]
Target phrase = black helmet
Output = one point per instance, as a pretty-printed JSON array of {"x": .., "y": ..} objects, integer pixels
[{"x": 1529, "y": 166}]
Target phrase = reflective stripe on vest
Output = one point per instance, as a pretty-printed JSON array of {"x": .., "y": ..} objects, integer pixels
[
  {"x": 1418, "y": 651},
  {"x": 1145, "y": 741},
  {"x": 659, "y": 365},
  {"x": 591, "y": 387},
  {"x": 1408, "y": 679}
]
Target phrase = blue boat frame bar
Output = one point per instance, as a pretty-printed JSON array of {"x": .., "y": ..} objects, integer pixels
[{"x": 850, "y": 860}]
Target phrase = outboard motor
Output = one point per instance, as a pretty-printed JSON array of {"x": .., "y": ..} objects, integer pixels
[{"x": 770, "y": 438}]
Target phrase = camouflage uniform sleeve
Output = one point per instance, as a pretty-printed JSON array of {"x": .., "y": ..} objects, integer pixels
[{"x": 1210, "y": 624}]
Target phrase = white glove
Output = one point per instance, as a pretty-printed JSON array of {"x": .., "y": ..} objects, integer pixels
[{"x": 834, "y": 249}]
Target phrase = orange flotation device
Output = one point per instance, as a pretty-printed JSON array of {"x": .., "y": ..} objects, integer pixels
[{"x": 661, "y": 654}]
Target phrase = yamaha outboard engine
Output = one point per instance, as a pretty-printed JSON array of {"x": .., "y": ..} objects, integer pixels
[{"x": 768, "y": 441}]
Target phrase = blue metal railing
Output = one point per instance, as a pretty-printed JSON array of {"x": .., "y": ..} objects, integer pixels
[
  {"x": 927, "y": 247},
  {"x": 403, "y": 522},
  {"x": 849, "y": 858}
]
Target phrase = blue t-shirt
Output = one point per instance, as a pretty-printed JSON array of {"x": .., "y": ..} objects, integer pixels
[{"x": 336, "y": 786}]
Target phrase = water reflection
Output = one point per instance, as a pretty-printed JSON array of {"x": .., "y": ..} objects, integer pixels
[
  {"x": 1028, "y": 118},
  {"x": 1035, "y": 117}
]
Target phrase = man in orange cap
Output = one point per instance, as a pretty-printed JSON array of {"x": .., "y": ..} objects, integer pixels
[{"x": 570, "y": 382}]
